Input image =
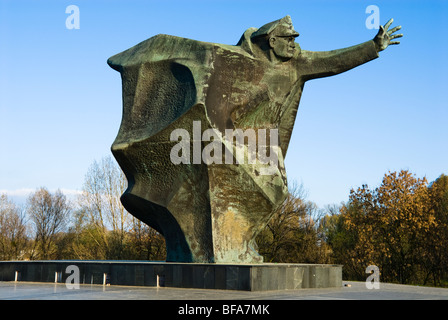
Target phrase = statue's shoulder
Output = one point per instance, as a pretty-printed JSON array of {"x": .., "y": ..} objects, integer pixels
[
  {"x": 245, "y": 41},
  {"x": 164, "y": 47},
  {"x": 158, "y": 48}
]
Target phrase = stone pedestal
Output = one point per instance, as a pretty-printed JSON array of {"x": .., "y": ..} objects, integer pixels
[{"x": 247, "y": 277}]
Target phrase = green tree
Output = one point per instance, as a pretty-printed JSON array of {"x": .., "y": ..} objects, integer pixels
[{"x": 340, "y": 241}]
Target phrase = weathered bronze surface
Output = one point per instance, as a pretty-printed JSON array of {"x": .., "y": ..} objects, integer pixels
[{"x": 211, "y": 211}]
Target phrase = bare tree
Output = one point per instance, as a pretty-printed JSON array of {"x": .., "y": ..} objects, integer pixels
[
  {"x": 100, "y": 204},
  {"x": 49, "y": 214},
  {"x": 13, "y": 230},
  {"x": 293, "y": 234},
  {"x": 105, "y": 230},
  {"x": 146, "y": 243}
]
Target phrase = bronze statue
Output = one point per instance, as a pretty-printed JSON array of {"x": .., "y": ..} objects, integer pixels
[{"x": 190, "y": 106}]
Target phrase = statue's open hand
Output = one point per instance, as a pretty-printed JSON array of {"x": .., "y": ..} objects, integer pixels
[{"x": 385, "y": 36}]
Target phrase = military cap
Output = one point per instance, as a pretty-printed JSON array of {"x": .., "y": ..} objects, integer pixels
[{"x": 281, "y": 28}]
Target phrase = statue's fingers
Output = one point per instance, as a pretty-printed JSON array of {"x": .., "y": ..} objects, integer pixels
[
  {"x": 396, "y": 36},
  {"x": 387, "y": 25},
  {"x": 394, "y": 30},
  {"x": 394, "y": 42}
]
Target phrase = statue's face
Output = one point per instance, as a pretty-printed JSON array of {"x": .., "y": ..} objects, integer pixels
[{"x": 283, "y": 47}]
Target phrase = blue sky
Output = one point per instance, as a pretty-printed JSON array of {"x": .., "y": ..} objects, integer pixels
[{"x": 60, "y": 103}]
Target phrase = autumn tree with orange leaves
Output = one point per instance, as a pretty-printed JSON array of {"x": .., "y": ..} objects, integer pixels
[{"x": 396, "y": 227}]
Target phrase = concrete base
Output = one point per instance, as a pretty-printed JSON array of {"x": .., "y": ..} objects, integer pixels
[{"x": 247, "y": 277}]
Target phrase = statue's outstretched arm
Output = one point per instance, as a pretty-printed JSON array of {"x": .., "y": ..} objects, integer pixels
[{"x": 318, "y": 64}]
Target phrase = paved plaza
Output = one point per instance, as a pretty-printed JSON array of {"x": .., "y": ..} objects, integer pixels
[{"x": 349, "y": 291}]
